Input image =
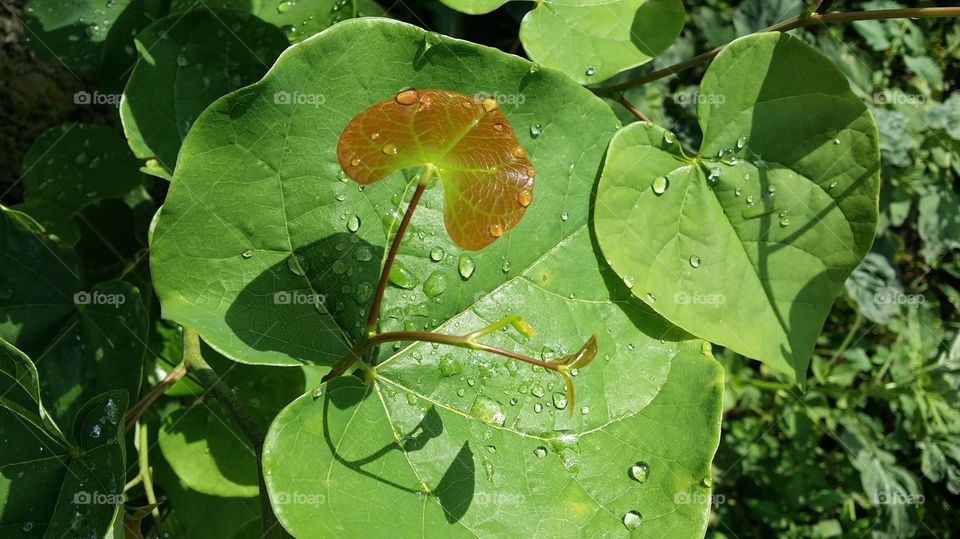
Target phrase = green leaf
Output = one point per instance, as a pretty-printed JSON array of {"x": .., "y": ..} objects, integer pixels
[
  {"x": 466, "y": 142},
  {"x": 204, "y": 446},
  {"x": 86, "y": 341},
  {"x": 71, "y": 166},
  {"x": 83, "y": 34},
  {"x": 259, "y": 200},
  {"x": 762, "y": 226},
  {"x": 592, "y": 40},
  {"x": 187, "y": 61},
  {"x": 299, "y": 19},
  {"x": 20, "y": 391},
  {"x": 939, "y": 223},
  {"x": 75, "y": 492},
  {"x": 492, "y": 452}
]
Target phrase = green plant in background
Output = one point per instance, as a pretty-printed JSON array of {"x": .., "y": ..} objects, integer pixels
[{"x": 306, "y": 354}]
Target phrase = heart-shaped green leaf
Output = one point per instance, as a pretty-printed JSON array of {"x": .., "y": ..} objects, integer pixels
[
  {"x": 59, "y": 490},
  {"x": 187, "y": 61},
  {"x": 259, "y": 201},
  {"x": 760, "y": 229},
  {"x": 592, "y": 40},
  {"x": 98, "y": 333},
  {"x": 465, "y": 141}
]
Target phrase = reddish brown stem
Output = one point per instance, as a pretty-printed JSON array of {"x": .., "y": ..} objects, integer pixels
[
  {"x": 633, "y": 110},
  {"x": 138, "y": 409}
]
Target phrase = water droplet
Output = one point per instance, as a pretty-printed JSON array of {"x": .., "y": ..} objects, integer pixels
[
  {"x": 247, "y": 253},
  {"x": 363, "y": 254},
  {"x": 585, "y": 410},
  {"x": 784, "y": 221},
  {"x": 540, "y": 452},
  {"x": 461, "y": 392},
  {"x": 401, "y": 277},
  {"x": 669, "y": 137},
  {"x": 836, "y": 141},
  {"x": 660, "y": 185},
  {"x": 628, "y": 280},
  {"x": 407, "y": 97},
  {"x": 342, "y": 176},
  {"x": 632, "y": 520},
  {"x": 737, "y": 192},
  {"x": 182, "y": 60},
  {"x": 496, "y": 230},
  {"x": 706, "y": 482},
  {"x": 535, "y": 130},
  {"x": 355, "y": 162},
  {"x": 505, "y": 267},
  {"x": 27, "y": 526},
  {"x": 525, "y": 197},
  {"x": 559, "y": 401},
  {"x": 297, "y": 264},
  {"x": 431, "y": 39},
  {"x": 488, "y": 411},
  {"x": 389, "y": 149},
  {"x": 651, "y": 298},
  {"x": 695, "y": 261},
  {"x": 538, "y": 407},
  {"x": 741, "y": 142},
  {"x": 435, "y": 284},
  {"x": 640, "y": 471},
  {"x": 746, "y": 176},
  {"x": 571, "y": 169},
  {"x": 564, "y": 216},
  {"x": 590, "y": 71},
  {"x": 95, "y": 431},
  {"x": 353, "y": 224},
  {"x": 467, "y": 105},
  {"x": 832, "y": 185},
  {"x": 498, "y": 126},
  {"x": 374, "y": 136},
  {"x": 534, "y": 67},
  {"x": 436, "y": 254},
  {"x": 466, "y": 266},
  {"x": 450, "y": 366},
  {"x": 284, "y": 6},
  {"x": 750, "y": 200}
]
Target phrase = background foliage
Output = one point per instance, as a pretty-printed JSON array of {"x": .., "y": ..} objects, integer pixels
[{"x": 872, "y": 447}]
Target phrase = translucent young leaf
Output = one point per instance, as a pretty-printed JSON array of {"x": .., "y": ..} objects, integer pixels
[{"x": 465, "y": 141}]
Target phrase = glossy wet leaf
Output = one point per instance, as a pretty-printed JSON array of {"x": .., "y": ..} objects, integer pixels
[
  {"x": 466, "y": 142},
  {"x": 299, "y": 19},
  {"x": 21, "y": 392},
  {"x": 71, "y": 166},
  {"x": 260, "y": 202},
  {"x": 63, "y": 492},
  {"x": 764, "y": 236},
  {"x": 99, "y": 331},
  {"x": 593, "y": 40},
  {"x": 187, "y": 61},
  {"x": 85, "y": 34}
]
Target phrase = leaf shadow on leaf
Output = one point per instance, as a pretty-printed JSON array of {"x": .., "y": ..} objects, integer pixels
[
  {"x": 326, "y": 291},
  {"x": 455, "y": 489}
]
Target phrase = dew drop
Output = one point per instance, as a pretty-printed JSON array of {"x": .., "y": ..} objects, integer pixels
[
  {"x": 488, "y": 411},
  {"x": 27, "y": 526},
  {"x": 492, "y": 449},
  {"x": 450, "y": 366},
  {"x": 669, "y": 137},
  {"x": 737, "y": 191},
  {"x": 498, "y": 126},
  {"x": 695, "y": 261},
  {"x": 559, "y": 401},
  {"x": 505, "y": 266},
  {"x": 466, "y": 266},
  {"x": 651, "y": 298},
  {"x": 435, "y": 284},
  {"x": 407, "y": 97},
  {"x": 535, "y": 130},
  {"x": 182, "y": 60},
  {"x": 832, "y": 185},
  {"x": 585, "y": 410},
  {"x": 355, "y": 162},
  {"x": 296, "y": 264},
  {"x": 389, "y": 149},
  {"x": 628, "y": 281},
  {"x": 534, "y": 67},
  {"x": 564, "y": 216},
  {"x": 836, "y": 141},
  {"x": 525, "y": 197},
  {"x": 660, "y": 185},
  {"x": 590, "y": 71},
  {"x": 632, "y": 520},
  {"x": 284, "y": 6},
  {"x": 750, "y": 200},
  {"x": 247, "y": 253},
  {"x": 538, "y": 407},
  {"x": 374, "y": 136},
  {"x": 706, "y": 482},
  {"x": 95, "y": 431},
  {"x": 467, "y": 105},
  {"x": 353, "y": 224},
  {"x": 401, "y": 277},
  {"x": 639, "y": 471},
  {"x": 363, "y": 254},
  {"x": 784, "y": 221},
  {"x": 496, "y": 230},
  {"x": 540, "y": 452}
]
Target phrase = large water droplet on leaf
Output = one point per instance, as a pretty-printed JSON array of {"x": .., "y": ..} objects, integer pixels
[
  {"x": 466, "y": 266},
  {"x": 660, "y": 185},
  {"x": 632, "y": 520},
  {"x": 435, "y": 284},
  {"x": 639, "y": 471},
  {"x": 488, "y": 410}
]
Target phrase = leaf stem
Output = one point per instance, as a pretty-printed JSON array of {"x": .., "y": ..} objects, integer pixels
[
  {"x": 632, "y": 109},
  {"x": 195, "y": 364},
  {"x": 141, "y": 406},
  {"x": 806, "y": 19},
  {"x": 143, "y": 462},
  {"x": 394, "y": 247}
]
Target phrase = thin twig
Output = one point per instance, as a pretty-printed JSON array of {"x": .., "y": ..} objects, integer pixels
[
  {"x": 141, "y": 406},
  {"x": 633, "y": 110}
]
